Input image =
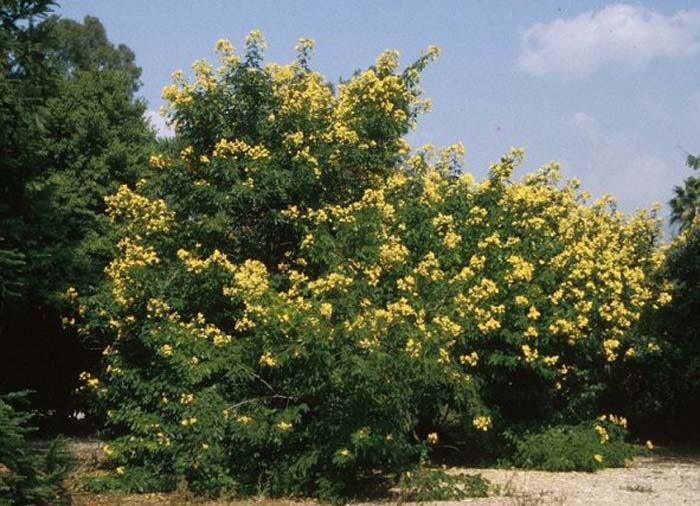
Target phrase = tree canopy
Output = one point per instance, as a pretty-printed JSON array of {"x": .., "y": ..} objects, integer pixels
[
  {"x": 71, "y": 131},
  {"x": 685, "y": 205}
]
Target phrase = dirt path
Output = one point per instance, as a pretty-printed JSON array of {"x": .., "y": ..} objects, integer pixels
[{"x": 665, "y": 479}]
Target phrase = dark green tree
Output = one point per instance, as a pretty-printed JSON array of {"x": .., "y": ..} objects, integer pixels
[
  {"x": 74, "y": 132},
  {"x": 682, "y": 321},
  {"x": 28, "y": 475},
  {"x": 96, "y": 138},
  {"x": 685, "y": 205},
  {"x": 27, "y": 78},
  {"x": 663, "y": 394},
  {"x": 85, "y": 46}
]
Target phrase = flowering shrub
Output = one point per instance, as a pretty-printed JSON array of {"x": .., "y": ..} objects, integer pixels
[
  {"x": 302, "y": 306},
  {"x": 588, "y": 446}
]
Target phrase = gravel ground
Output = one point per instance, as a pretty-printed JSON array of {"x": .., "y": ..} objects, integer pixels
[
  {"x": 661, "y": 480},
  {"x": 668, "y": 478}
]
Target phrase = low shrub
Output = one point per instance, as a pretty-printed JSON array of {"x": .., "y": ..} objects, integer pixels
[
  {"x": 588, "y": 446},
  {"x": 28, "y": 475},
  {"x": 429, "y": 484}
]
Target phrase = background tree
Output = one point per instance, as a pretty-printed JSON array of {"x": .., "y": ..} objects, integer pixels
[
  {"x": 685, "y": 206},
  {"x": 27, "y": 79},
  {"x": 85, "y": 134}
]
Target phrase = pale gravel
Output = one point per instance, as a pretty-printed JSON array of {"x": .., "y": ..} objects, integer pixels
[{"x": 660, "y": 480}]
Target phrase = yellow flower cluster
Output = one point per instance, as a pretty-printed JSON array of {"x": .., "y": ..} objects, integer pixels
[
  {"x": 158, "y": 161},
  {"x": 133, "y": 255},
  {"x": 603, "y": 435},
  {"x": 620, "y": 421},
  {"x": 268, "y": 359},
  {"x": 141, "y": 215},
  {"x": 238, "y": 148},
  {"x": 250, "y": 281},
  {"x": 201, "y": 329},
  {"x": 522, "y": 270},
  {"x": 89, "y": 380},
  {"x": 482, "y": 422}
]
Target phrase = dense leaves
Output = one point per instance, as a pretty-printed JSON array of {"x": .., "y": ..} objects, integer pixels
[
  {"x": 28, "y": 476},
  {"x": 685, "y": 204},
  {"x": 588, "y": 446},
  {"x": 26, "y": 78},
  {"x": 300, "y": 305},
  {"x": 71, "y": 131},
  {"x": 663, "y": 393}
]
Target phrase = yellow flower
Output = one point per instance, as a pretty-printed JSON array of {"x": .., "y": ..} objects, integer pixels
[
  {"x": 650, "y": 445},
  {"x": 308, "y": 240},
  {"x": 664, "y": 298},
  {"x": 533, "y": 313},
  {"x": 284, "y": 426},
  {"x": 482, "y": 422},
  {"x": 326, "y": 310},
  {"x": 157, "y": 161},
  {"x": 521, "y": 300},
  {"x": 602, "y": 434},
  {"x": 530, "y": 332},
  {"x": 432, "y": 438},
  {"x": 521, "y": 269},
  {"x": 451, "y": 239},
  {"x": 413, "y": 347},
  {"x": 120, "y": 470},
  {"x": 529, "y": 354},
  {"x": 268, "y": 359},
  {"x": 89, "y": 380},
  {"x": 223, "y": 46},
  {"x": 598, "y": 457},
  {"x": 471, "y": 359}
]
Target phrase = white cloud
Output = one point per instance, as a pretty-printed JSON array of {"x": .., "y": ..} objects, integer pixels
[
  {"x": 587, "y": 124},
  {"x": 609, "y": 162},
  {"x": 619, "y": 34},
  {"x": 158, "y": 122}
]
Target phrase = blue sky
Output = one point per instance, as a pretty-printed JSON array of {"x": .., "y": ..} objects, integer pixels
[{"x": 610, "y": 90}]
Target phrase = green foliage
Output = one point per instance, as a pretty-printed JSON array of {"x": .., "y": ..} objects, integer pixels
[
  {"x": 71, "y": 131},
  {"x": 588, "y": 446},
  {"x": 96, "y": 139},
  {"x": 28, "y": 476},
  {"x": 428, "y": 484},
  {"x": 682, "y": 322},
  {"x": 130, "y": 481},
  {"x": 685, "y": 205},
  {"x": 663, "y": 393},
  {"x": 85, "y": 47},
  {"x": 299, "y": 305},
  {"x": 26, "y": 76}
]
